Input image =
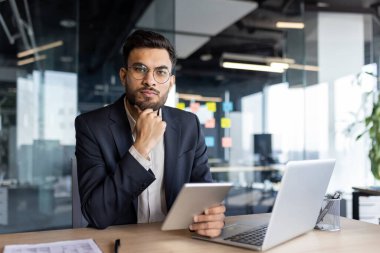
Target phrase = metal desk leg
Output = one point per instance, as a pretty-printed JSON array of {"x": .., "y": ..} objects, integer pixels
[{"x": 355, "y": 205}]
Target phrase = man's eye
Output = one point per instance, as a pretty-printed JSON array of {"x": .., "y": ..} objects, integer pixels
[
  {"x": 139, "y": 69},
  {"x": 162, "y": 72}
]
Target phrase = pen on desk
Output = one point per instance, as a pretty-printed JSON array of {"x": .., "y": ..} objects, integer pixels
[{"x": 117, "y": 245}]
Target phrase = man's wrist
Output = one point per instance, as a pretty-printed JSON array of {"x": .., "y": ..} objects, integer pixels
[
  {"x": 139, "y": 158},
  {"x": 142, "y": 151}
]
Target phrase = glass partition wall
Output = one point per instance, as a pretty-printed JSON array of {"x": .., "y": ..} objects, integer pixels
[
  {"x": 38, "y": 76},
  {"x": 270, "y": 83}
]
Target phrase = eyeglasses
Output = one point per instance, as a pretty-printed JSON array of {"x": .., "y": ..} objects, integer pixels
[{"x": 160, "y": 74}]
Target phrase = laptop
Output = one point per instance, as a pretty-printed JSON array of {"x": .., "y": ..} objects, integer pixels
[{"x": 295, "y": 211}]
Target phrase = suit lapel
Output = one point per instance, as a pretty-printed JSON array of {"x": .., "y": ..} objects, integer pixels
[
  {"x": 120, "y": 128},
  {"x": 121, "y": 131},
  {"x": 172, "y": 132}
]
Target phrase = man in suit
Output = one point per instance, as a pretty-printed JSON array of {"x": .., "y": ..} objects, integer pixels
[{"x": 135, "y": 154}]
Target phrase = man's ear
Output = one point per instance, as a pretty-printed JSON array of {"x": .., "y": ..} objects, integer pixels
[
  {"x": 172, "y": 81},
  {"x": 123, "y": 76}
]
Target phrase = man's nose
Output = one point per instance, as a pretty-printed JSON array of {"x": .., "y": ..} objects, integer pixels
[{"x": 149, "y": 79}]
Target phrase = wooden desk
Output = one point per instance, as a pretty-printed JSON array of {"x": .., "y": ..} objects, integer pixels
[{"x": 354, "y": 237}]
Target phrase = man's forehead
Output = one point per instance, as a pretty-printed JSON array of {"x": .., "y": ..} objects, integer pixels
[{"x": 151, "y": 57}]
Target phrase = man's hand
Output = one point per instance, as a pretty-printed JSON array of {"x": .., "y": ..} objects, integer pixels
[
  {"x": 149, "y": 129},
  {"x": 210, "y": 223}
]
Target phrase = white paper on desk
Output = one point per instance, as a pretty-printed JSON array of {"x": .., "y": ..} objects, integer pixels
[{"x": 76, "y": 246}]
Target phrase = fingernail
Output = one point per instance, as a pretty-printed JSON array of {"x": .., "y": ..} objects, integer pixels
[
  {"x": 206, "y": 211},
  {"x": 195, "y": 218},
  {"x": 191, "y": 227}
]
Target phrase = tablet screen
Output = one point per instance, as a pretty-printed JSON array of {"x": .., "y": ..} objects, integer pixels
[{"x": 193, "y": 199}]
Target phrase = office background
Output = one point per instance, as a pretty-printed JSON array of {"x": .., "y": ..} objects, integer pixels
[{"x": 304, "y": 97}]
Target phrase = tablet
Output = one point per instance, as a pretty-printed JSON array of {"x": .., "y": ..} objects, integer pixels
[{"x": 193, "y": 199}]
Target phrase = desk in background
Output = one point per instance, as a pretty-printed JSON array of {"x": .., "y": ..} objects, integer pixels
[
  {"x": 356, "y": 194},
  {"x": 355, "y": 236}
]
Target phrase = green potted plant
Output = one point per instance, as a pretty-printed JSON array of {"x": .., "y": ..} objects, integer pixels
[{"x": 372, "y": 124}]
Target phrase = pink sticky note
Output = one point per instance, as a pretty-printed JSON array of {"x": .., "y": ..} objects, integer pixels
[
  {"x": 194, "y": 107},
  {"x": 226, "y": 142},
  {"x": 210, "y": 123}
]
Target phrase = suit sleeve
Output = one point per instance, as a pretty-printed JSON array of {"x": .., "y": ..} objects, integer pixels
[
  {"x": 106, "y": 193},
  {"x": 201, "y": 170}
]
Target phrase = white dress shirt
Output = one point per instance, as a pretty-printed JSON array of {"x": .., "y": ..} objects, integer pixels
[{"x": 151, "y": 202}]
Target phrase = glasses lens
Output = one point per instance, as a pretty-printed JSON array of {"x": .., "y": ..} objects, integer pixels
[
  {"x": 161, "y": 75},
  {"x": 138, "y": 72}
]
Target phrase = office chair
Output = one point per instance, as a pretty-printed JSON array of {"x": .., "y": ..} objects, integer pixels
[{"x": 77, "y": 218}]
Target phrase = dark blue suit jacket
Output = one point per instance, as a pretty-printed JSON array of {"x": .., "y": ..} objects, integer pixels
[{"x": 109, "y": 177}]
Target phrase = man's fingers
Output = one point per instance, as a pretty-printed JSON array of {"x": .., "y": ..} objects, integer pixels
[
  {"x": 207, "y": 225},
  {"x": 138, "y": 109},
  {"x": 215, "y": 210},
  {"x": 210, "y": 232},
  {"x": 210, "y": 217},
  {"x": 149, "y": 113}
]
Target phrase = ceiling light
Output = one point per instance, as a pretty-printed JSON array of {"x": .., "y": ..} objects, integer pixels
[
  {"x": 206, "y": 57},
  {"x": 243, "y": 57},
  {"x": 31, "y": 60},
  {"x": 256, "y": 58},
  {"x": 253, "y": 67},
  {"x": 322, "y": 5},
  {"x": 304, "y": 67},
  {"x": 272, "y": 64},
  {"x": 40, "y": 48},
  {"x": 279, "y": 60},
  {"x": 67, "y": 23},
  {"x": 66, "y": 59},
  {"x": 280, "y": 65},
  {"x": 290, "y": 25},
  {"x": 219, "y": 77}
]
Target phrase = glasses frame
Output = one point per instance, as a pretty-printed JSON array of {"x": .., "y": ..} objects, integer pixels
[{"x": 154, "y": 77}]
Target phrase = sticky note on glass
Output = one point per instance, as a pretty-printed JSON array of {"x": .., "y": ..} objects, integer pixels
[
  {"x": 227, "y": 106},
  {"x": 211, "y": 106},
  {"x": 194, "y": 107},
  {"x": 210, "y": 123},
  {"x": 225, "y": 122},
  {"x": 226, "y": 142},
  {"x": 210, "y": 141},
  {"x": 181, "y": 106}
]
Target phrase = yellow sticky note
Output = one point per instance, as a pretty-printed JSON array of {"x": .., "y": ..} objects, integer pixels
[
  {"x": 211, "y": 106},
  {"x": 225, "y": 122},
  {"x": 181, "y": 106}
]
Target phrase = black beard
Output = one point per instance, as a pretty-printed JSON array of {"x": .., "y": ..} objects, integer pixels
[{"x": 143, "y": 105}]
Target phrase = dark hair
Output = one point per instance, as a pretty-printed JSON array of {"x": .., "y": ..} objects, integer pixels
[{"x": 147, "y": 39}]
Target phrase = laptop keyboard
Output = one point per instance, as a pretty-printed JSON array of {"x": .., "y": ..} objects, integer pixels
[{"x": 252, "y": 237}]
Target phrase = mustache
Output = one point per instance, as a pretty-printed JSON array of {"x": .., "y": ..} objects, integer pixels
[{"x": 149, "y": 89}]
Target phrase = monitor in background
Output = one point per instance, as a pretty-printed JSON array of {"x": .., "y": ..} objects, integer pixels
[{"x": 262, "y": 146}]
